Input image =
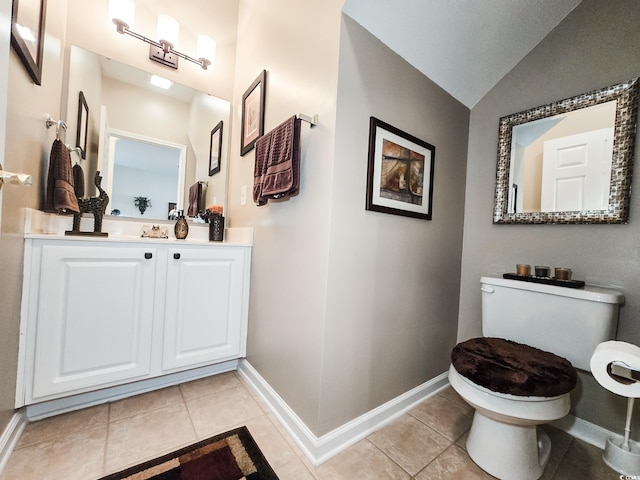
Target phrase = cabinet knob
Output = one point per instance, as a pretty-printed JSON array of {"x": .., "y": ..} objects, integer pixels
[
  {"x": 148, "y": 255},
  {"x": 176, "y": 256}
]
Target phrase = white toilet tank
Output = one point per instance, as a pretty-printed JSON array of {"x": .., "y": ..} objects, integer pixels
[{"x": 569, "y": 322}]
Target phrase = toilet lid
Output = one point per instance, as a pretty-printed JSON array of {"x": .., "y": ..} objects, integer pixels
[{"x": 505, "y": 366}]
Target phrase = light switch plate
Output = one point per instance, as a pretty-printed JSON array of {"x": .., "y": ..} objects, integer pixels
[{"x": 243, "y": 195}]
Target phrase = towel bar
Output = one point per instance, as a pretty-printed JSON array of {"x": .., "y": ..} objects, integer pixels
[{"x": 312, "y": 120}]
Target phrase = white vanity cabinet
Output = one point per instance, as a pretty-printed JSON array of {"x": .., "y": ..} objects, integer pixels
[
  {"x": 92, "y": 315},
  {"x": 102, "y": 313},
  {"x": 203, "y": 307}
]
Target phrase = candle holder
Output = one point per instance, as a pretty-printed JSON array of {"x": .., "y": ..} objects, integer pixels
[
  {"x": 213, "y": 216},
  {"x": 216, "y": 228}
]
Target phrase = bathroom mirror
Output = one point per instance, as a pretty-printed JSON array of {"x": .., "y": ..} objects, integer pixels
[
  {"x": 569, "y": 161},
  {"x": 146, "y": 141}
]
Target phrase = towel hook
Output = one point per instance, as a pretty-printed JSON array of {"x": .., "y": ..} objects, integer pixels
[{"x": 49, "y": 122}]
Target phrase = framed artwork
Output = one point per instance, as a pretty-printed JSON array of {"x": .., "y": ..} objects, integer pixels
[
  {"x": 27, "y": 34},
  {"x": 83, "y": 125},
  {"x": 215, "y": 149},
  {"x": 399, "y": 173},
  {"x": 253, "y": 102}
]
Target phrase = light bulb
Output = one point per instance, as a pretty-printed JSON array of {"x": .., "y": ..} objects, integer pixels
[
  {"x": 168, "y": 30},
  {"x": 206, "y": 48},
  {"x": 123, "y": 10}
]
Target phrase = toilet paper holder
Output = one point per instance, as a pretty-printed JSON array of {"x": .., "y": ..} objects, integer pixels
[{"x": 623, "y": 373}]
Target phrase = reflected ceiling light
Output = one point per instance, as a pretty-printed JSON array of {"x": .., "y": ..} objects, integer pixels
[
  {"x": 25, "y": 33},
  {"x": 160, "y": 82},
  {"x": 122, "y": 13}
]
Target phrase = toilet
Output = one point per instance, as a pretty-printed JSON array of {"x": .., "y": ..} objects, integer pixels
[{"x": 519, "y": 374}]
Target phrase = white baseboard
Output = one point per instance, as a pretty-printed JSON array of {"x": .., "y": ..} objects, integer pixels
[
  {"x": 321, "y": 449},
  {"x": 49, "y": 408},
  {"x": 10, "y": 436},
  {"x": 585, "y": 431}
]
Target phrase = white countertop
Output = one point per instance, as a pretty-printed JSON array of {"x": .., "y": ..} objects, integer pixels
[{"x": 42, "y": 225}]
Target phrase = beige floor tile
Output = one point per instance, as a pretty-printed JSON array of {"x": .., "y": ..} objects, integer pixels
[
  {"x": 147, "y": 435},
  {"x": 584, "y": 461},
  {"x": 76, "y": 446},
  {"x": 138, "y": 404},
  {"x": 209, "y": 385},
  {"x": 256, "y": 396},
  {"x": 450, "y": 394},
  {"x": 448, "y": 418},
  {"x": 78, "y": 456},
  {"x": 292, "y": 444},
  {"x": 453, "y": 464},
  {"x": 295, "y": 470},
  {"x": 63, "y": 424},
  {"x": 462, "y": 441},
  {"x": 272, "y": 444},
  {"x": 362, "y": 461},
  {"x": 410, "y": 443},
  {"x": 560, "y": 442},
  {"x": 220, "y": 411}
]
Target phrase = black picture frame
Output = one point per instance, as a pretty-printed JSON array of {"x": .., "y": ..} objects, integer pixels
[
  {"x": 253, "y": 103},
  {"x": 399, "y": 172},
  {"x": 27, "y": 34},
  {"x": 82, "y": 130},
  {"x": 215, "y": 149}
]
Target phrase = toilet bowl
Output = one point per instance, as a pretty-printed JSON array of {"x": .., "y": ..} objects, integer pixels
[
  {"x": 504, "y": 439},
  {"x": 511, "y": 393}
]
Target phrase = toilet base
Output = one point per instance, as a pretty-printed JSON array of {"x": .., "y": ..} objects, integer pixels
[{"x": 507, "y": 451}]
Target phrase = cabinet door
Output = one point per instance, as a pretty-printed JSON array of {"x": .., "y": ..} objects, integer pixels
[
  {"x": 204, "y": 307},
  {"x": 94, "y": 320}
]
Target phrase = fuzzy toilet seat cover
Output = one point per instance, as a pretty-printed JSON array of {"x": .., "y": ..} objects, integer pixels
[{"x": 505, "y": 366}]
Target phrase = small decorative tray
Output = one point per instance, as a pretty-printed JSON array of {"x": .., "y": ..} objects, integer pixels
[{"x": 546, "y": 280}]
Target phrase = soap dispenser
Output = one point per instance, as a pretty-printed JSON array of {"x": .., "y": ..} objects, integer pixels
[{"x": 181, "y": 229}]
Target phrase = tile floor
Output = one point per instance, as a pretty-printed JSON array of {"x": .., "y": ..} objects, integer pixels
[{"x": 426, "y": 443}]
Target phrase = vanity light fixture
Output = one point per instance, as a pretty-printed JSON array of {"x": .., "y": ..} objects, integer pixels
[{"x": 162, "y": 51}]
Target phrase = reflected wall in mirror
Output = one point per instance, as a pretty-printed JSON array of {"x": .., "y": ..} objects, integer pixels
[
  {"x": 570, "y": 161},
  {"x": 146, "y": 141}
]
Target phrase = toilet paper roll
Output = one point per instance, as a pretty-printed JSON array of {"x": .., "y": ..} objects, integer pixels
[{"x": 622, "y": 355}]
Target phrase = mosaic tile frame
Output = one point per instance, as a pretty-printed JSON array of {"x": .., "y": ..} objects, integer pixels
[{"x": 626, "y": 95}]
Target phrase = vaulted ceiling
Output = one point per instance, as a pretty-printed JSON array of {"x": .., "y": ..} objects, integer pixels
[{"x": 464, "y": 46}]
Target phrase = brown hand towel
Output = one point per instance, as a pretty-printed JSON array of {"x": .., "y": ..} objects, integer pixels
[
  {"x": 78, "y": 180},
  {"x": 60, "y": 195},
  {"x": 277, "y": 170},
  {"x": 195, "y": 194},
  {"x": 262, "y": 156}
]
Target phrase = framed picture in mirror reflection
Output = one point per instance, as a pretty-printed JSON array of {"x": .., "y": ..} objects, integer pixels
[
  {"x": 215, "y": 149},
  {"x": 253, "y": 102},
  {"x": 83, "y": 125}
]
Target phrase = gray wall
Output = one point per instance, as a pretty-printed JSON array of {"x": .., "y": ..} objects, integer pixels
[
  {"x": 348, "y": 308},
  {"x": 393, "y": 281},
  {"x": 291, "y": 246},
  {"x": 595, "y": 46}
]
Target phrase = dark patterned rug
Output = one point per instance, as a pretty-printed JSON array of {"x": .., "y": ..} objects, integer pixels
[{"x": 232, "y": 455}]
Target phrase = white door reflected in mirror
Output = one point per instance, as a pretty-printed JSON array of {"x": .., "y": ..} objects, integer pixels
[
  {"x": 563, "y": 162},
  {"x": 148, "y": 168}
]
